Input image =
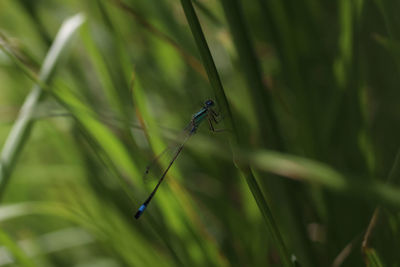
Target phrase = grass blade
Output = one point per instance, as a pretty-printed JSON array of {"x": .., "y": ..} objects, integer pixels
[
  {"x": 22, "y": 127},
  {"x": 15, "y": 250},
  {"x": 190, "y": 60},
  {"x": 372, "y": 259},
  {"x": 222, "y": 101},
  {"x": 261, "y": 101}
]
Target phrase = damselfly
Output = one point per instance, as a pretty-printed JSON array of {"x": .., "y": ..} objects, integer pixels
[{"x": 206, "y": 112}]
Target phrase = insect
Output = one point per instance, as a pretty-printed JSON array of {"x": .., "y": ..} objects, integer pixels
[{"x": 206, "y": 112}]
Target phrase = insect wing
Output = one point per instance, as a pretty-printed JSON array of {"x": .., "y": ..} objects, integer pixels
[{"x": 156, "y": 166}]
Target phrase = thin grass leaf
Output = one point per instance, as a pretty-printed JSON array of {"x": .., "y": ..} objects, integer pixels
[
  {"x": 18, "y": 254},
  {"x": 110, "y": 229},
  {"x": 52, "y": 242},
  {"x": 190, "y": 60},
  {"x": 98, "y": 132},
  {"x": 222, "y": 101},
  {"x": 345, "y": 57},
  {"x": 208, "y": 62},
  {"x": 372, "y": 259},
  {"x": 101, "y": 67},
  {"x": 22, "y": 127},
  {"x": 310, "y": 171},
  {"x": 299, "y": 168},
  {"x": 261, "y": 101},
  {"x": 208, "y": 13},
  {"x": 393, "y": 178}
]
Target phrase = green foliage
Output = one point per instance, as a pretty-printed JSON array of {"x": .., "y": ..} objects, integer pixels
[{"x": 305, "y": 173}]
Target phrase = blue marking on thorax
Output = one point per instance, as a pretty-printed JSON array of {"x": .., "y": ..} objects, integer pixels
[
  {"x": 199, "y": 113},
  {"x": 199, "y": 116}
]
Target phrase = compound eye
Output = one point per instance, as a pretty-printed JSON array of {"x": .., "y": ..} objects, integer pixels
[{"x": 209, "y": 103}]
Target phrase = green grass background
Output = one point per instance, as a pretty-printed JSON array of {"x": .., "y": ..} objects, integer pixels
[{"x": 306, "y": 174}]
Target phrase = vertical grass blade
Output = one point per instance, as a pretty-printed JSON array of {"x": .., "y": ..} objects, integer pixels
[
  {"x": 208, "y": 61},
  {"x": 250, "y": 66},
  {"x": 222, "y": 101},
  {"x": 20, "y": 132}
]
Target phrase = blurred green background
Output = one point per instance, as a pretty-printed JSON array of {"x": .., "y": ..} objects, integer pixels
[{"x": 305, "y": 174}]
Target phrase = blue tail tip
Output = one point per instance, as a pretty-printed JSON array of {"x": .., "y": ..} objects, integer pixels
[{"x": 140, "y": 211}]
